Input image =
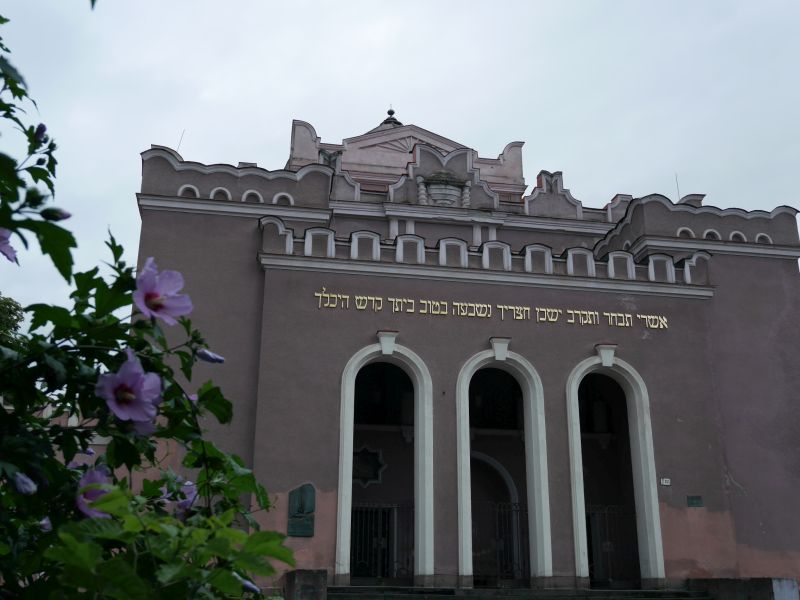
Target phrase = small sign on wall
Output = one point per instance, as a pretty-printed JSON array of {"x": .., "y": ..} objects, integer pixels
[
  {"x": 694, "y": 501},
  {"x": 665, "y": 481}
]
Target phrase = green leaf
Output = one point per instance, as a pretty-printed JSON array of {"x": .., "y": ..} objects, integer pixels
[
  {"x": 104, "y": 529},
  {"x": 115, "y": 502},
  {"x": 82, "y": 555},
  {"x": 269, "y": 543},
  {"x": 120, "y": 451},
  {"x": 44, "y": 313},
  {"x": 224, "y": 581},
  {"x": 131, "y": 524},
  {"x": 253, "y": 564},
  {"x": 235, "y": 536},
  {"x": 55, "y": 241},
  {"x": 10, "y": 72},
  {"x": 119, "y": 580},
  {"x": 213, "y": 401},
  {"x": 170, "y": 573}
]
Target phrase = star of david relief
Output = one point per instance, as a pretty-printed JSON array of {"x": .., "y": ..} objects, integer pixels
[{"x": 368, "y": 466}]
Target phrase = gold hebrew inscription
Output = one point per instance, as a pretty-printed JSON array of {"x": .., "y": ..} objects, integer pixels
[{"x": 545, "y": 315}]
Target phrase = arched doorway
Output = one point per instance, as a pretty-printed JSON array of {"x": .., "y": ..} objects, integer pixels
[
  {"x": 535, "y": 490},
  {"x": 643, "y": 471},
  {"x": 382, "y": 526},
  {"x": 388, "y": 351},
  {"x": 611, "y": 538},
  {"x": 497, "y": 469}
]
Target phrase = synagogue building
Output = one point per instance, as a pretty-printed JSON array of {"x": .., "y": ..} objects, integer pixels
[{"x": 446, "y": 376}]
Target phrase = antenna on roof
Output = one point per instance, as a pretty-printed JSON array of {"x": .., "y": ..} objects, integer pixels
[
  {"x": 180, "y": 141},
  {"x": 677, "y": 186}
]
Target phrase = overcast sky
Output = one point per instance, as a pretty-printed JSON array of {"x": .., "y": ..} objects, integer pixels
[{"x": 618, "y": 95}]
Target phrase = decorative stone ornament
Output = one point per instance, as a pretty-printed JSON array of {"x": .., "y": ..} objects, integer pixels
[{"x": 368, "y": 466}]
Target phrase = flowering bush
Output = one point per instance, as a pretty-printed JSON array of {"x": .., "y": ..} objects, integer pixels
[{"x": 111, "y": 523}]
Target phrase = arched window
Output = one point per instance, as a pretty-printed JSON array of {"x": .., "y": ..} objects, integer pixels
[
  {"x": 252, "y": 196},
  {"x": 685, "y": 232},
  {"x": 738, "y": 236},
  {"x": 365, "y": 245},
  {"x": 453, "y": 253},
  {"x": 763, "y": 238},
  {"x": 712, "y": 234},
  {"x": 496, "y": 255},
  {"x": 220, "y": 193},
  {"x": 283, "y": 199},
  {"x": 188, "y": 191},
  {"x": 538, "y": 259}
]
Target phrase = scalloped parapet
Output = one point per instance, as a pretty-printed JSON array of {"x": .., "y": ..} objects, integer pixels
[
  {"x": 165, "y": 173},
  {"x": 654, "y": 224}
]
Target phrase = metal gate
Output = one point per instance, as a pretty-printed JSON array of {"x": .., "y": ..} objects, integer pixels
[
  {"x": 382, "y": 543},
  {"x": 613, "y": 545},
  {"x": 500, "y": 552}
]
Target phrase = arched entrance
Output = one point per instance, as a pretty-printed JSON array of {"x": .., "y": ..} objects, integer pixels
[
  {"x": 611, "y": 538},
  {"x": 387, "y": 351},
  {"x": 382, "y": 526},
  {"x": 536, "y": 494},
  {"x": 642, "y": 462},
  {"x": 497, "y": 470}
]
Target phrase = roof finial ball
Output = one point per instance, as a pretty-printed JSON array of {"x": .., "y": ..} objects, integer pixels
[{"x": 390, "y": 120}]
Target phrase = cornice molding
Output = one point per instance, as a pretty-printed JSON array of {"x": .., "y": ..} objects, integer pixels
[
  {"x": 666, "y": 244},
  {"x": 231, "y": 208},
  {"x": 479, "y": 276},
  {"x": 461, "y": 215}
]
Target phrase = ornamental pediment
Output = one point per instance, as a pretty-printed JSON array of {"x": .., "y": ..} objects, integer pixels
[
  {"x": 401, "y": 140},
  {"x": 446, "y": 180}
]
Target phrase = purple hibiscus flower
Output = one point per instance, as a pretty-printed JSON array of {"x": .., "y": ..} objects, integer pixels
[
  {"x": 131, "y": 394},
  {"x": 86, "y": 497},
  {"x": 6, "y": 249},
  {"x": 157, "y": 294},
  {"x": 189, "y": 491}
]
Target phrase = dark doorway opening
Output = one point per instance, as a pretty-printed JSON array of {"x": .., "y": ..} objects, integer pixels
[
  {"x": 382, "y": 523},
  {"x": 500, "y": 551},
  {"x": 608, "y": 484}
]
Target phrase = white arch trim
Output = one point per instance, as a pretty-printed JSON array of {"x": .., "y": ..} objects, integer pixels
[
  {"x": 389, "y": 351},
  {"x": 277, "y": 197},
  {"x": 648, "y": 521},
  {"x": 220, "y": 189},
  {"x": 763, "y": 238},
  {"x": 256, "y": 193},
  {"x": 716, "y": 237},
  {"x": 188, "y": 186},
  {"x": 541, "y": 554},
  {"x": 742, "y": 237}
]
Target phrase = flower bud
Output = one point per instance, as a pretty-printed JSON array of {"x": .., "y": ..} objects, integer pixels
[
  {"x": 39, "y": 133},
  {"x": 208, "y": 356},
  {"x": 24, "y": 484},
  {"x": 54, "y": 214}
]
